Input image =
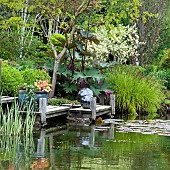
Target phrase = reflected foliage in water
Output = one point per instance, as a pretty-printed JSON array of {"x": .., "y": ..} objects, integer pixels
[
  {"x": 77, "y": 147},
  {"x": 138, "y": 151}
]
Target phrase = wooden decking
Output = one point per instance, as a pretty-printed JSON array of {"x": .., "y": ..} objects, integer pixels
[
  {"x": 7, "y": 99},
  {"x": 53, "y": 111},
  {"x": 47, "y": 111},
  {"x": 87, "y": 113}
]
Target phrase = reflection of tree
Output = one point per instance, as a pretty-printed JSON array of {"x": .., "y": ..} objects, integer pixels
[
  {"x": 63, "y": 149},
  {"x": 137, "y": 151},
  {"x": 165, "y": 147}
]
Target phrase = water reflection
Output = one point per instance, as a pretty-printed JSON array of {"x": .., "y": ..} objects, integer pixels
[{"x": 77, "y": 147}]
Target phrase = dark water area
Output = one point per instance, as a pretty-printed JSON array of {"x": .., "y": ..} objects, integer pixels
[{"x": 114, "y": 145}]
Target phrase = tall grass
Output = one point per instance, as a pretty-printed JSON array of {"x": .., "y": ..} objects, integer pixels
[
  {"x": 16, "y": 133},
  {"x": 135, "y": 93}
]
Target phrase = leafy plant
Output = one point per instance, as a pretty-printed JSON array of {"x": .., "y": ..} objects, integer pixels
[
  {"x": 90, "y": 77},
  {"x": 31, "y": 76},
  {"x": 165, "y": 61},
  {"x": 12, "y": 79},
  {"x": 134, "y": 92},
  {"x": 60, "y": 101},
  {"x": 162, "y": 75}
]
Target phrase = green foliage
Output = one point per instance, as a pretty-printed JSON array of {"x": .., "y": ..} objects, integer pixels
[
  {"x": 30, "y": 76},
  {"x": 65, "y": 81},
  {"x": 12, "y": 79},
  {"x": 58, "y": 39},
  {"x": 117, "y": 11},
  {"x": 165, "y": 61},
  {"x": 91, "y": 76},
  {"x": 134, "y": 92},
  {"x": 34, "y": 62},
  {"x": 10, "y": 45},
  {"x": 60, "y": 101},
  {"x": 163, "y": 76}
]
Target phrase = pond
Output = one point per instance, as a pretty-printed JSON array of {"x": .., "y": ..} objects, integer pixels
[{"x": 131, "y": 145}]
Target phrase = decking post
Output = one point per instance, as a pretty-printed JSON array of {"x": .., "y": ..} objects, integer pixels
[
  {"x": 41, "y": 144},
  {"x": 92, "y": 136},
  {"x": 101, "y": 98},
  {"x": 43, "y": 110},
  {"x": 93, "y": 107},
  {"x": 111, "y": 130},
  {"x": 112, "y": 103}
]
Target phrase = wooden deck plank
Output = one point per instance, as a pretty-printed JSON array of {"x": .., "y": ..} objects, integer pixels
[
  {"x": 84, "y": 115},
  {"x": 7, "y": 99},
  {"x": 99, "y": 108},
  {"x": 56, "y": 109},
  {"x": 56, "y": 114}
]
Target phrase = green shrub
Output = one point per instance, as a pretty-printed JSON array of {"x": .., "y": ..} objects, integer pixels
[
  {"x": 163, "y": 76},
  {"x": 12, "y": 79},
  {"x": 165, "y": 61},
  {"x": 134, "y": 92},
  {"x": 30, "y": 75},
  {"x": 150, "y": 68}
]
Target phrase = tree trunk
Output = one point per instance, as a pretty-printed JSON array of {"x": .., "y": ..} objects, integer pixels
[
  {"x": 54, "y": 78},
  {"x": 56, "y": 65},
  {"x": 58, "y": 58},
  {"x": 24, "y": 17}
]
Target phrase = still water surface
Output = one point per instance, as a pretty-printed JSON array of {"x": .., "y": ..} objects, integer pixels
[{"x": 80, "y": 147}]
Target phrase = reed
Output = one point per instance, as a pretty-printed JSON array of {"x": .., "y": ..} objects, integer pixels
[{"x": 16, "y": 133}]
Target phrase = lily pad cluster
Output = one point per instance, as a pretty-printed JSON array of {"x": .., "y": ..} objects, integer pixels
[{"x": 157, "y": 126}]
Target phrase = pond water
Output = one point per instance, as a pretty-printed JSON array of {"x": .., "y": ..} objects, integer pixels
[{"x": 132, "y": 145}]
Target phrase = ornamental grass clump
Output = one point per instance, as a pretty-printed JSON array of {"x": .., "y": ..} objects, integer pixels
[{"x": 134, "y": 92}]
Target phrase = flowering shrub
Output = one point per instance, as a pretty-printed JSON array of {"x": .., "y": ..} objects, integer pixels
[{"x": 121, "y": 42}]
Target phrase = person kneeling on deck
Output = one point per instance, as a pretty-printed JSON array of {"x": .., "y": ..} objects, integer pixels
[{"x": 85, "y": 95}]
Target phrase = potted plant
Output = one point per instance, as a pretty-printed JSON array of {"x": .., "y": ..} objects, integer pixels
[
  {"x": 29, "y": 94},
  {"x": 43, "y": 86}
]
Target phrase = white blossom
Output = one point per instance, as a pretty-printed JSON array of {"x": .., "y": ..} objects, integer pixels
[{"x": 121, "y": 42}]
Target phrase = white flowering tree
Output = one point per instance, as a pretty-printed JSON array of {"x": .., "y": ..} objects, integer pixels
[{"x": 120, "y": 42}]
